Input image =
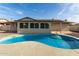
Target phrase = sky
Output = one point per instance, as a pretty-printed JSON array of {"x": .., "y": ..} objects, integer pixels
[{"x": 60, "y": 11}]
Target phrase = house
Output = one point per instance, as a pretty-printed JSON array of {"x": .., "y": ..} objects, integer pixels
[
  {"x": 2, "y": 21},
  {"x": 8, "y": 25},
  {"x": 74, "y": 27},
  {"x": 30, "y": 25}
]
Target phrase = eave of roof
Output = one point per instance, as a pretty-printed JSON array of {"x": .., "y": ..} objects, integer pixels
[{"x": 28, "y": 19}]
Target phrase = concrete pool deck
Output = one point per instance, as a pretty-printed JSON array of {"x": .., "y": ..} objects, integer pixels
[{"x": 34, "y": 48}]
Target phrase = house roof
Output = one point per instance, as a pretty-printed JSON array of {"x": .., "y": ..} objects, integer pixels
[
  {"x": 77, "y": 24},
  {"x": 33, "y": 20},
  {"x": 40, "y": 20},
  {"x": 26, "y": 19},
  {"x": 2, "y": 20}
]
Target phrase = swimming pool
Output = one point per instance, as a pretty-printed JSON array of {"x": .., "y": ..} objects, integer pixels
[{"x": 54, "y": 40}]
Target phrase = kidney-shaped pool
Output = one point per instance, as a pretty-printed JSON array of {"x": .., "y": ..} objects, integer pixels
[{"x": 54, "y": 40}]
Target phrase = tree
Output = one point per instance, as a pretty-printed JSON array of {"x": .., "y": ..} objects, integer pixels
[{"x": 66, "y": 20}]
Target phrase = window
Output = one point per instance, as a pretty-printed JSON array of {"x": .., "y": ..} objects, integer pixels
[
  {"x": 46, "y": 25},
  {"x": 36, "y": 25},
  {"x": 31, "y": 25},
  {"x": 21, "y": 25},
  {"x": 26, "y": 25},
  {"x": 42, "y": 25}
]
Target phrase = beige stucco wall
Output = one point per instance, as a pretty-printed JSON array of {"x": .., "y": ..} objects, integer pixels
[
  {"x": 74, "y": 28},
  {"x": 30, "y": 30},
  {"x": 60, "y": 27},
  {"x": 53, "y": 27}
]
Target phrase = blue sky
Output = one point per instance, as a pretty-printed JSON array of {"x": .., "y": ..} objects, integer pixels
[{"x": 40, "y": 11}]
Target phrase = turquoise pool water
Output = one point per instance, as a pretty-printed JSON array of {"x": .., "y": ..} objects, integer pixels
[{"x": 54, "y": 40}]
